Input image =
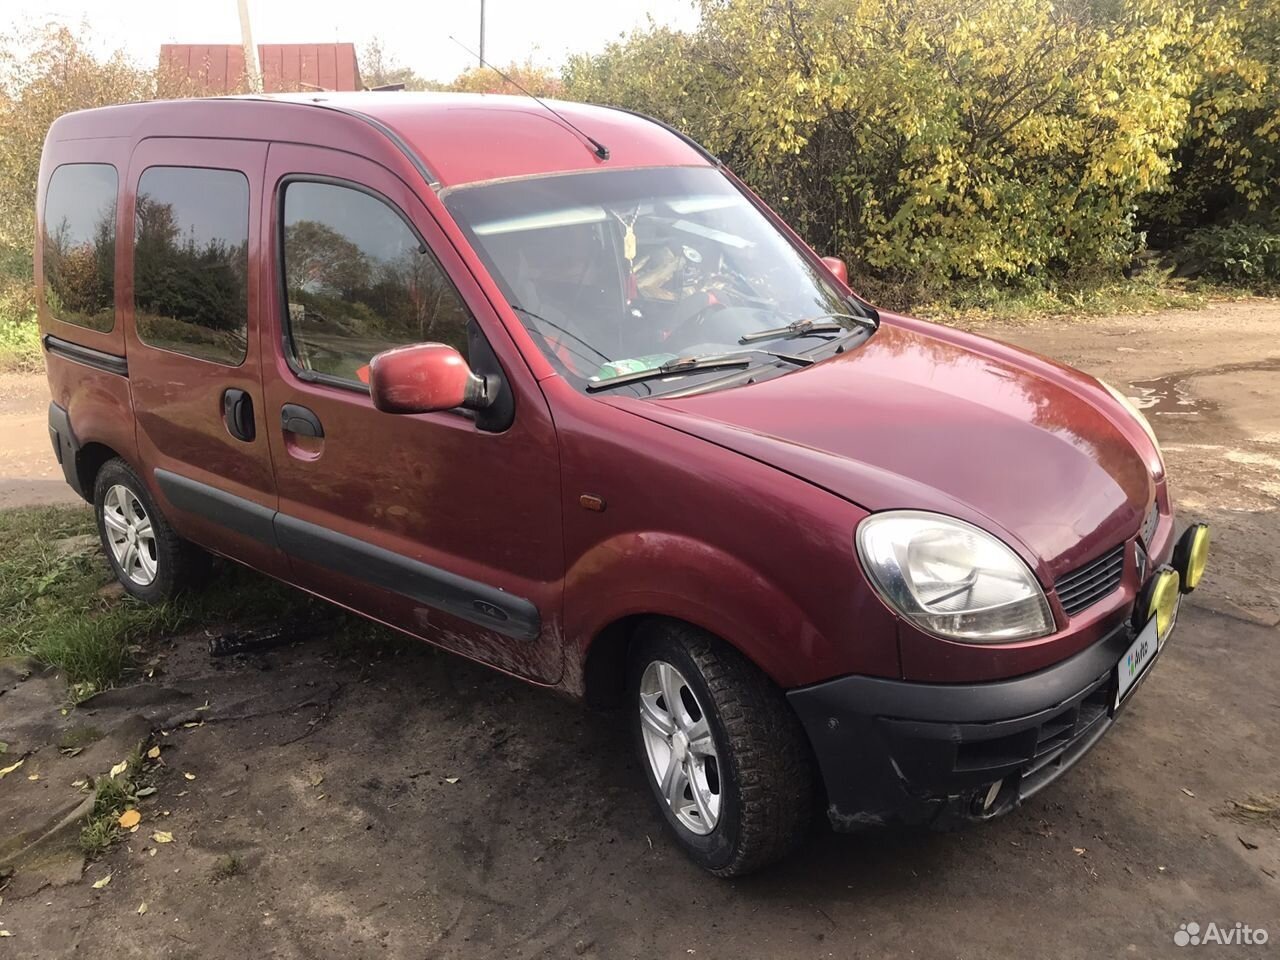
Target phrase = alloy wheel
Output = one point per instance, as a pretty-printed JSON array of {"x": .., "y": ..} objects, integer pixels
[
  {"x": 681, "y": 750},
  {"x": 130, "y": 534}
]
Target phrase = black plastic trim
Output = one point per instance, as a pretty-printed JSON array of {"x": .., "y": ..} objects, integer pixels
[
  {"x": 893, "y": 750},
  {"x": 66, "y": 447},
  {"x": 468, "y": 599},
  {"x": 90, "y": 357},
  {"x": 970, "y": 702},
  {"x": 462, "y": 597},
  {"x": 245, "y": 517}
]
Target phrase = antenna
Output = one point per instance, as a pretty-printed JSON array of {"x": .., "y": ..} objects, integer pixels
[{"x": 600, "y": 150}]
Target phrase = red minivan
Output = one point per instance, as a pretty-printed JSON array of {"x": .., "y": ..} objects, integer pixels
[{"x": 548, "y": 386}]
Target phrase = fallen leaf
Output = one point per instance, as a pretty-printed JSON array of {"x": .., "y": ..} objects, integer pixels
[
  {"x": 194, "y": 724},
  {"x": 5, "y": 933},
  {"x": 205, "y": 707},
  {"x": 99, "y": 884},
  {"x": 451, "y": 779},
  {"x": 162, "y": 836},
  {"x": 4, "y": 747},
  {"x": 72, "y": 751},
  {"x": 317, "y": 779},
  {"x": 154, "y": 753},
  {"x": 130, "y": 819},
  {"x": 146, "y": 791},
  {"x": 119, "y": 768},
  {"x": 8, "y": 770},
  {"x": 1079, "y": 851},
  {"x": 188, "y": 776},
  {"x": 142, "y": 908},
  {"x": 1187, "y": 792},
  {"x": 34, "y": 776},
  {"x": 79, "y": 784}
]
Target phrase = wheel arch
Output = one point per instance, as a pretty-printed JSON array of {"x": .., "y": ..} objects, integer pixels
[{"x": 90, "y": 460}]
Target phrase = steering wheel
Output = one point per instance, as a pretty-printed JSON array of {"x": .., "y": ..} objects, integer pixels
[{"x": 691, "y": 315}]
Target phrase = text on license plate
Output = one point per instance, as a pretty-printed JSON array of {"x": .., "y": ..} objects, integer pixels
[{"x": 1137, "y": 658}]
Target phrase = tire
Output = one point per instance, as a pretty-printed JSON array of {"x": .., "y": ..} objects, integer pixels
[
  {"x": 754, "y": 803},
  {"x": 162, "y": 564}
]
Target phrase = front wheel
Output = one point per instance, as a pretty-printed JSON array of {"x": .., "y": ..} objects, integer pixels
[{"x": 726, "y": 759}]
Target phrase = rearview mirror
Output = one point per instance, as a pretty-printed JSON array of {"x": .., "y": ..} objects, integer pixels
[
  {"x": 836, "y": 266},
  {"x": 423, "y": 378}
]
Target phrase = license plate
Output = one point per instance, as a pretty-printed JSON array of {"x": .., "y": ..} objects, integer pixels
[{"x": 1137, "y": 659}]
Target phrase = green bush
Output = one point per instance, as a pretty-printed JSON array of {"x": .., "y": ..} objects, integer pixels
[{"x": 1241, "y": 254}]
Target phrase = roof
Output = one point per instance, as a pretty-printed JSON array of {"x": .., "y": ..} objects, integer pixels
[
  {"x": 286, "y": 67},
  {"x": 470, "y": 137},
  {"x": 460, "y": 137}
]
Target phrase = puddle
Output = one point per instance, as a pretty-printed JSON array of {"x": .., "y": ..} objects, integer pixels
[
  {"x": 1172, "y": 395},
  {"x": 1168, "y": 395}
]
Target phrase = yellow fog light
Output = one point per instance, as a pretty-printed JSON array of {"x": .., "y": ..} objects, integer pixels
[
  {"x": 1191, "y": 555},
  {"x": 1163, "y": 602}
]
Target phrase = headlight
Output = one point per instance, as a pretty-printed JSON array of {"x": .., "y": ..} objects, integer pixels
[
  {"x": 1138, "y": 415},
  {"x": 952, "y": 579}
]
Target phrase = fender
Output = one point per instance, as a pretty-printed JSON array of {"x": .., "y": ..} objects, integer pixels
[{"x": 634, "y": 573}]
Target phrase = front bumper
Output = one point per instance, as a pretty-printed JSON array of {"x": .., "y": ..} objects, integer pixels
[
  {"x": 898, "y": 751},
  {"x": 917, "y": 753}
]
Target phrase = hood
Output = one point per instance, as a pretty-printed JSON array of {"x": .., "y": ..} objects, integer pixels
[{"x": 943, "y": 421}]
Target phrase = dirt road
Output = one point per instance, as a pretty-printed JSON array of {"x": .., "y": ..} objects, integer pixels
[
  {"x": 412, "y": 805},
  {"x": 28, "y": 472}
]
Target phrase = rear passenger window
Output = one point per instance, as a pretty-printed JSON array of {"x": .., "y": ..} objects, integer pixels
[
  {"x": 358, "y": 281},
  {"x": 191, "y": 262},
  {"x": 80, "y": 245}
]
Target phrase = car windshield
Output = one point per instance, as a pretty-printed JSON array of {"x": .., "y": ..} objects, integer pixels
[{"x": 623, "y": 271}]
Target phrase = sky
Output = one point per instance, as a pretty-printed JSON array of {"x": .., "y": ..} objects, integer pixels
[{"x": 415, "y": 34}]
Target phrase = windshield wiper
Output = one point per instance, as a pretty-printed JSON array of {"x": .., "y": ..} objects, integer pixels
[
  {"x": 672, "y": 367},
  {"x": 694, "y": 364},
  {"x": 827, "y": 323}
]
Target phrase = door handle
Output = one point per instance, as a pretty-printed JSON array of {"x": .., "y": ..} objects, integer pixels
[
  {"x": 295, "y": 418},
  {"x": 237, "y": 412}
]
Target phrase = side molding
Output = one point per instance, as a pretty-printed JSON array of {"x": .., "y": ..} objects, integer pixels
[
  {"x": 98, "y": 359},
  {"x": 467, "y": 599}
]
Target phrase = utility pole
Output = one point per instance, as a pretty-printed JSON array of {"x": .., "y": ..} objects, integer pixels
[
  {"x": 481, "y": 32},
  {"x": 250, "y": 51}
]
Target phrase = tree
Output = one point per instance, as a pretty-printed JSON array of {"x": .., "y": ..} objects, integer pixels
[
  {"x": 45, "y": 73},
  {"x": 379, "y": 69}
]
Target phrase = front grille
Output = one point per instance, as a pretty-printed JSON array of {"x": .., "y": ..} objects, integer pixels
[
  {"x": 1087, "y": 585},
  {"x": 1149, "y": 525},
  {"x": 1035, "y": 748}
]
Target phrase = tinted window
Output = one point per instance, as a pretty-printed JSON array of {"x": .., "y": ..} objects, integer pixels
[
  {"x": 191, "y": 262},
  {"x": 358, "y": 282},
  {"x": 80, "y": 244}
]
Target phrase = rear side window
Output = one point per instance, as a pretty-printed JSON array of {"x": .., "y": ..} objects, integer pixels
[
  {"x": 359, "y": 281},
  {"x": 191, "y": 262},
  {"x": 80, "y": 244}
]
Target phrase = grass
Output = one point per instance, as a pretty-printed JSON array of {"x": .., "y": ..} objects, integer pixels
[
  {"x": 52, "y": 575},
  {"x": 52, "y": 572},
  {"x": 19, "y": 344},
  {"x": 112, "y": 797},
  {"x": 1148, "y": 292}
]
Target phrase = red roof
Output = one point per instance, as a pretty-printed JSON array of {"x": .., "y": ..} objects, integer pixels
[{"x": 286, "y": 67}]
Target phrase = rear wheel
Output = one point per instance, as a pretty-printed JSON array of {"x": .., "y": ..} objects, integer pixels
[
  {"x": 151, "y": 561},
  {"x": 726, "y": 759}
]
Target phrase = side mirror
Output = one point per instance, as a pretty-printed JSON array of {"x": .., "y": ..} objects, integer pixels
[
  {"x": 423, "y": 378},
  {"x": 836, "y": 266}
]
